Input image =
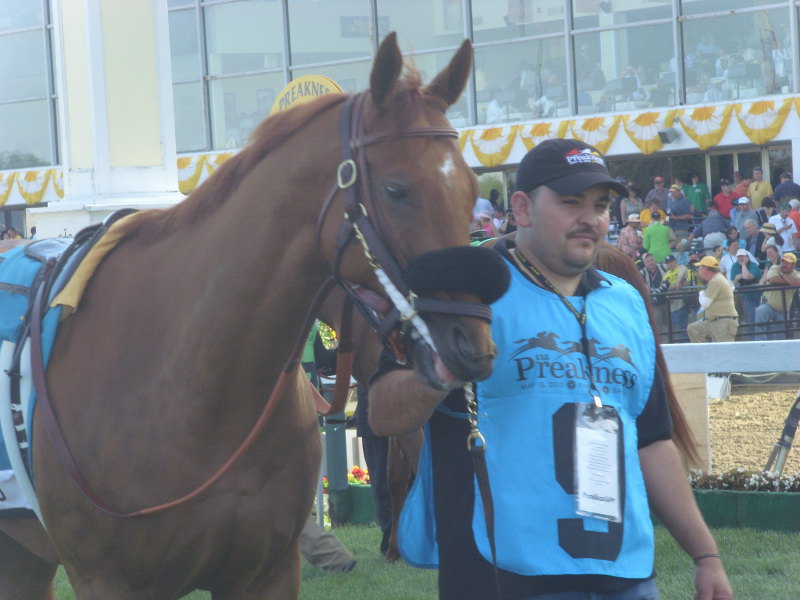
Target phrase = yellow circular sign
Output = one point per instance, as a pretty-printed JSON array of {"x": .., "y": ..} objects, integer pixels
[{"x": 304, "y": 89}]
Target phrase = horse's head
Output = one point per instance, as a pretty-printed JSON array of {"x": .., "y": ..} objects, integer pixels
[{"x": 408, "y": 196}]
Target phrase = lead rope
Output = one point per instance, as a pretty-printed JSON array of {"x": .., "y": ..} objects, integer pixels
[{"x": 476, "y": 446}]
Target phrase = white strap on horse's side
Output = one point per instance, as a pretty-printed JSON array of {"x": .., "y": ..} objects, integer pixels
[
  {"x": 403, "y": 306},
  {"x": 20, "y": 490}
]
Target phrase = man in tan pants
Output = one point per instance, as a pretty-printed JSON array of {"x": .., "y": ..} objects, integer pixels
[{"x": 719, "y": 321}]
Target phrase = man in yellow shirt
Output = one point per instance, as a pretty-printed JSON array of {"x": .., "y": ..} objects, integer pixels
[
  {"x": 777, "y": 302},
  {"x": 720, "y": 321},
  {"x": 758, "y": 189}
]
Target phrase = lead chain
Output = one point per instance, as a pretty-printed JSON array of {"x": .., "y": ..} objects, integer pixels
[{"x": 475, "y": 439}]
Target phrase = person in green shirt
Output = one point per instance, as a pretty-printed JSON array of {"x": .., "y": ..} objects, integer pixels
[
  {"x": 657, "y": 238},
  {"x": 697, "y": 193}
]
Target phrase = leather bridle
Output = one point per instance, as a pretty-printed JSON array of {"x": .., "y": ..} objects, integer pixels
[{"x": 364, "y": 221}]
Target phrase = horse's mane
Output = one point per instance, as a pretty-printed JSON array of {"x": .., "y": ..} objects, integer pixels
[
  {"x": 616, "y": 262},
  {"x": 270, "y": 134}
]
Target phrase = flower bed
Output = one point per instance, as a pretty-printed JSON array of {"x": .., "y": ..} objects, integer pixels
[{"x": 742, "y": 498}]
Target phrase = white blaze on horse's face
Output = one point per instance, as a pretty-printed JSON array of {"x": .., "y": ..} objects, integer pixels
[{"x": 448, "y": 169}]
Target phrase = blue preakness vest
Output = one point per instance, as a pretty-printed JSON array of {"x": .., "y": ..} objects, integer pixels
[{"x": 527, "y": 415}]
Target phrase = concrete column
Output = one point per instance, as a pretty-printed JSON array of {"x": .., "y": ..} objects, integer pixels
[{"x": 117, "y": 123}]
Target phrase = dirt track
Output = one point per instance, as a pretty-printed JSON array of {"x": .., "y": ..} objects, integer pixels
[{"x": 745, "y": 427}]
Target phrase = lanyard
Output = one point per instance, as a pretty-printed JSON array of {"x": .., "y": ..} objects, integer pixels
[{"x": 540, "y": 279}]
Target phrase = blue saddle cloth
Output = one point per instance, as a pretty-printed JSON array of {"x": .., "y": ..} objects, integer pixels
[{"x": 19, "y": 270}]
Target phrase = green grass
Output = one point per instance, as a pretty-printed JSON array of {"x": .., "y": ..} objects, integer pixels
[{"x": 761, "y": 565}]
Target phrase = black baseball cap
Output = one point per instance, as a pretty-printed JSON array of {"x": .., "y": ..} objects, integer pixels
[{"x": 567, "y": 166}]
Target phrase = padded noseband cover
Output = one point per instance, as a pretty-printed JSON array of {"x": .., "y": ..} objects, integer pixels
[{"x": 469, "y": 269}]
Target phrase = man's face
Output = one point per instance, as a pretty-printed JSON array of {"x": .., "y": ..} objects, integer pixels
[
  {"x": 650, "y": 262},
  {"x": 672, "y": 265},
  {"x": 744, "y": 207},
  {"x": 787, "y": 266},
  {"x": 658, "y": 182},
  {"x": 675, "y": 194},
  {"x": 758, "y": 175},
  {"x": 784, "y": 213},
  {"x": 563, "y": 232},
  {"x": 750, "y": 228},
  {"x": 726, "y": 189},
  {"x": 705, "y": 273},
  {"x": 733, "y": 246}
]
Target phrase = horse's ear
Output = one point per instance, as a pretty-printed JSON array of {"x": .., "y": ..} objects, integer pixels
[
  {"x": 387, "y": 68},
  {"x": 449, "y": 84}
]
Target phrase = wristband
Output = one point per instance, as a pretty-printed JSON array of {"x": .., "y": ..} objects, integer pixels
[{"x": 697, "y": 559}]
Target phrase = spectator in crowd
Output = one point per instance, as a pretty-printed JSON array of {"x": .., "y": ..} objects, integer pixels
[
  {"x": 731, "y": 233},
  {"x": 753, "y": 240},
  {"x": 719, "y": 321},
  {"x": 785, "y": 227},
  {"x": 654, "y": 206},
  {"x": 794, "y": 215},
  {"x": 659, "y": 192},
  {"x": 741, "y": 185},
  {"x": 773, "y": 258},
  {"x": 745, "y": 273},
  {"x": 657, "y": 238},
  {"x": 743, "y": 212},
  {"x": 680, "y": 211},
  {"x": 481, "y": 205},
  {"x": 729, "y": 258},
  {"x": 630, "y": 205},
  {"x": 630, "y": 241},
  {"x": 778, "y": 302},
  {"x": 786, "y": 189},
  {"x": 758, "y": 188},
  {"x": 498, "y": 217},
  {"x": 675, "y": 276},
  {"x": 767, "y": 210},
  {"x": 771, "y": 237},
  {"x": 653, "y": 274},
  {"x": 510, "y": 224},
  {"x": 711, "y": 230},
  {"x": 723, "y": 201},
  {"x": 485, "y": 220},
  {"x": 697, "y": 193}
]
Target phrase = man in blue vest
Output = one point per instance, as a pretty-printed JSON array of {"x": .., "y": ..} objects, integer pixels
[{"x": 575, "y": 420}]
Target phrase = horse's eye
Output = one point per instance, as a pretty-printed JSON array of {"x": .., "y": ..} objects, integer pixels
[{"x": 396, "y": 191}]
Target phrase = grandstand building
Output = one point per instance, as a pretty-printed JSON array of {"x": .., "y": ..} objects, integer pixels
[{"x": 114, "y": 103}]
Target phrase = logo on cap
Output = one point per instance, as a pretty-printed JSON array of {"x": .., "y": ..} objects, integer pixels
[{"x": 578, "y": 156}]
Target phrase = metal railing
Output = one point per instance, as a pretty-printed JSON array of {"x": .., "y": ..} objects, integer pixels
[{"x": 788, "y": 329}]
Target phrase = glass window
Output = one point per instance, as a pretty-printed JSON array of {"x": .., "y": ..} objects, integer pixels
[
  {"x": 20, "y": 15},
  {"x": 329, "y": 30},
  {"x": 423, "y": 24},
  {"x": 429, "y": 66},
  {"x": 695, "y": 7},
  {"x": 27, "y": 108},
  {"x": 244, "y": 36},
  {"x": 516, "y": 18},
  {"x": 747, "y": 160},
  {"x": 184, "y": 45},
  {"x": 607, "y": 12},
  {"x": 720, "y": 66},
  {"x": 191, "y": 130},
  {"x": 238, "y": 105},
  {"x": 352, "y": 77},
  {"x": 26, "y": 135},
  {"x": 23, "y": 65},
  {"x": 521, "y": 81},
  {"x": 780, "y": 160},
  {"x": 625, "y": 69}
]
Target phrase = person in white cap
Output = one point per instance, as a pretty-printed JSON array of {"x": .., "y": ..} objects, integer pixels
[{"x": 630, "y": 238}]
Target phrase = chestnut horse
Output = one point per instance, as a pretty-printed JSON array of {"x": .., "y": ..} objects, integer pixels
[{"x": 177, "y": 346}]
